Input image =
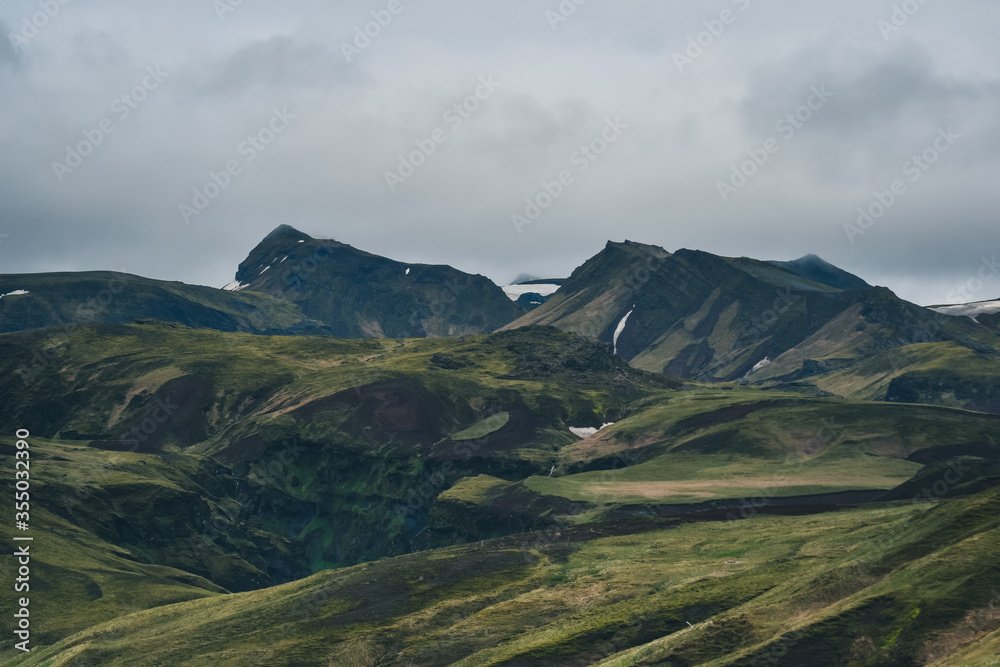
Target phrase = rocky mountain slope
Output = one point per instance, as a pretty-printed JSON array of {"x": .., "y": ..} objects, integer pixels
[
  {"x": 696, "y": 315},
  {"x": 361, "y": 295},
  {"x": 289, "y": 284}
]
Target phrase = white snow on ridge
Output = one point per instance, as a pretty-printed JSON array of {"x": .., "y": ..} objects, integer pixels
[
  {"x": 587, "y": 431},
  {"x": 515, "y": 291},
  {"x": 17, "y": 292},
  {"x": 236, "y": 286},
  {"x": 620, "y": 328},
  {"x": 972, "y": 310}
]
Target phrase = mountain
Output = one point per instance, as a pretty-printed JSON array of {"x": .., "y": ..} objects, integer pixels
[
  {"x": 699, "y": 316},
  {"x": 348, "y": 293},
  {"x": 532, "y": 293},
  {"x": 40, "y": 300},
  {"x": 361, "y": 295},
  {"x": 690, "y": 313},
  {"x": 982, "y": 312},
  {"x": 817, "y": 270}
]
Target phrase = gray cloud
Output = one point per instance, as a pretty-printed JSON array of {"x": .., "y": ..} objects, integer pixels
[
  {"x": 325, "y": 174},
  {"x": 8, "y": 53},
  {"x": 277, "y": 62}
]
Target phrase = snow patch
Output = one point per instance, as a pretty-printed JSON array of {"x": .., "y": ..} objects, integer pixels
[
  {"x": 283, "y": 259},
  {"x": 17, "y": 292},
  {"x": 760, "y": 364},
  {"x": 972, "y": 310},
  {"x": 407, "y": 271},
  {"x": 301, "y": 241},
  {"x": 516, "y": 291},
  {"x": 236, "y": 286},
  {"x": 620, "y": 328},
  {"x": 587, "y": 431},
  {"x": 265, "y": 269}
]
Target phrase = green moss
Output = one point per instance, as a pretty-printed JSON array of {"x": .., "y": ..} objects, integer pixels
[
  {"x": 483, "y": 428},
  {"x": 476, "y": 490}
]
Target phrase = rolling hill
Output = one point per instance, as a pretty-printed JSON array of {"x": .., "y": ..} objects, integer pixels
[
  {"x": 68, "y": 300},
  {"x": 437, "y": 483}
]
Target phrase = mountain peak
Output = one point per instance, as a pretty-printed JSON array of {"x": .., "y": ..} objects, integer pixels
[
  {"x": 361, "y": 295},
  {"x": 634, "y": 248},
  {"x": 287, "y": 232},
  {"x": 816, "y": 268}
]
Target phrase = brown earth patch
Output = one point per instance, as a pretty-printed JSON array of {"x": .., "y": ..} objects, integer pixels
[{"x": 708, "y": 488}]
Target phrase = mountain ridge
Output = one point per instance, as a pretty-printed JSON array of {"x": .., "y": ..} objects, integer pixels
[{"x": 359, "y": 294}]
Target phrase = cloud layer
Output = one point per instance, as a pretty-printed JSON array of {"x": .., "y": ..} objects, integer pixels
[{"x": 726, "y": 145}]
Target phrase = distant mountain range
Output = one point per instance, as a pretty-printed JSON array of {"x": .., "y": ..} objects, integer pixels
[{"x": 690, "y": 314}]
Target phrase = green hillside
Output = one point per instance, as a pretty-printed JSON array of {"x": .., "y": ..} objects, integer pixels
[
  {"x": 891, "y": 584},
  {"x": 65, "y": 301},
  {"x": 312, "y": 500}
]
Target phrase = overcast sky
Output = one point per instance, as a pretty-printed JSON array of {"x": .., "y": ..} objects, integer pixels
[{"x": 676, "y": 118}]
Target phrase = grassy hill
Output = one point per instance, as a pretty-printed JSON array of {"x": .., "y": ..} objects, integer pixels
[
  {"x": 903, "y": 583},
  {"x": 64, "y": 301},
  {"x": 311, "y": 500}
]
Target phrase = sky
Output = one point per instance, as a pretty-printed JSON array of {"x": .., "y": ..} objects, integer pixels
[{"x": 166, "y": 139}]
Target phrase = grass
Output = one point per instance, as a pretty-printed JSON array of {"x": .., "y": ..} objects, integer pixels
[
  {"x": 812, "y": 586},
  {"x": 59, "y": 299},
  {"x": 730, "y": 444},
  {"x": 475, "y": 490},
  {"x": 483, "y": 428},
  {"x": 366, "y": 449}
]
